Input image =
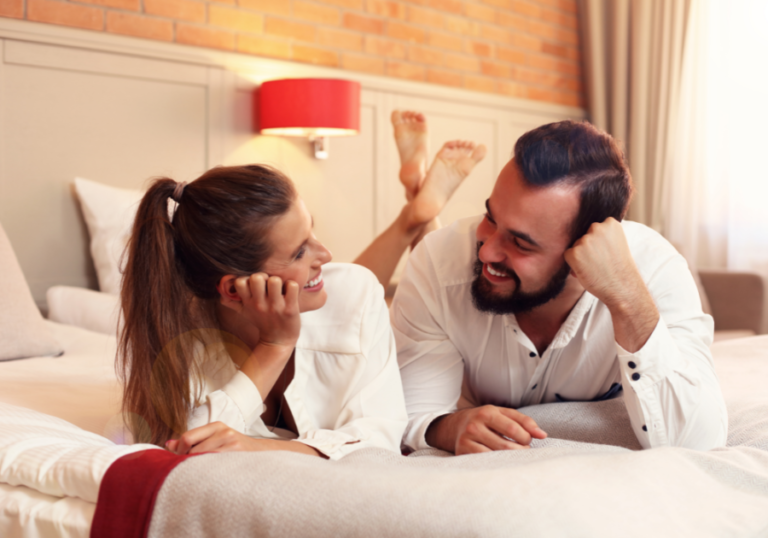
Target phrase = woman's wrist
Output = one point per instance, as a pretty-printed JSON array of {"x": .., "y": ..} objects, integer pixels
[{"x": 265, "y": 364}]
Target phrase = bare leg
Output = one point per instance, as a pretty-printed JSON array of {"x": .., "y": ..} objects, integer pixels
[
  {"x": 411, "y": 139},
  {"x": 451, "y": 165}
]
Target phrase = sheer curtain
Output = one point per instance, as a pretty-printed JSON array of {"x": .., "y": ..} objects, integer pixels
[{"x": 716, "y": 176}]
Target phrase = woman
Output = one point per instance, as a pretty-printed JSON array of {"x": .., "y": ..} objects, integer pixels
[{"x": 224, "y": 345}]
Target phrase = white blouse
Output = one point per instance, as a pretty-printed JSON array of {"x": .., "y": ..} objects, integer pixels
[{"x": 346, "y": 392}]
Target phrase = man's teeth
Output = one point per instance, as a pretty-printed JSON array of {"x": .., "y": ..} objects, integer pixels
[
  {"x": 495, "y": 273},
  {"x": 315, "y": 282}
]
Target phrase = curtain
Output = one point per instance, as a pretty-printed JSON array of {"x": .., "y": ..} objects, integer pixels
[
  {"x": 717, "y": 177},
  {"x": 633, "y": 55}
]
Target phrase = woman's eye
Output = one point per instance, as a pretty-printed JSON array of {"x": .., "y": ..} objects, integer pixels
[{"x": 301, "y": 253}]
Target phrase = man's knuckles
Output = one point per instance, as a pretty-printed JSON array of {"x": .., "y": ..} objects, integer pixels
[{"x": 486, "y": 413}]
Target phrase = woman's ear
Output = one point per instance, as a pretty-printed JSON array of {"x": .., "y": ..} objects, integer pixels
[{"x": 228, "y": 293}]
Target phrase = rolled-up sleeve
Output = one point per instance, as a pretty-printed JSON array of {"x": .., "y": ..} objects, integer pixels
[
  {"x": 238, "y": 404},
  {"x": 431, "y": 366},
  {"x": 672, "y": 393}
]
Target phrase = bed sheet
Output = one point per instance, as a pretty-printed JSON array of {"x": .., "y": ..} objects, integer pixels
[{"x": 80, "y": 386}]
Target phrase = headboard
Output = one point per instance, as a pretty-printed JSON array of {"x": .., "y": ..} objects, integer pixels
[{"x": 121, "y": 110}]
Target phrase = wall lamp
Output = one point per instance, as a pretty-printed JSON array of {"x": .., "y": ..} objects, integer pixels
[{"x": 313, "y": 107}]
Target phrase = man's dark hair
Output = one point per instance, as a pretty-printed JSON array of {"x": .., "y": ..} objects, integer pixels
[{"x": 577, "y": 153}]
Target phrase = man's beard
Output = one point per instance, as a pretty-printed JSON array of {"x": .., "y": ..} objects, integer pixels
[{"x": 485, "y": 300}]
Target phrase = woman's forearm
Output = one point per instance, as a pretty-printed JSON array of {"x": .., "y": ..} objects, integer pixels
[{"x": 265, "y": 364}]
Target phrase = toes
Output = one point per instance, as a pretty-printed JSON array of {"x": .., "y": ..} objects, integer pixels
[
  {"x": 397, "y": 117},
  {"x": 479, "y": 153}
]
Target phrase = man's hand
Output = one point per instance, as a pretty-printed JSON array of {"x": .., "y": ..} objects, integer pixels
[
  {"x": 603, "y": 264},
  {"x": 218, "y": 437},
  {"x": 483, "y": 429}
]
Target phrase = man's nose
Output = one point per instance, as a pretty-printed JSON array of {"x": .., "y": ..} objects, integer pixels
[{"x": 490, "y": 251}]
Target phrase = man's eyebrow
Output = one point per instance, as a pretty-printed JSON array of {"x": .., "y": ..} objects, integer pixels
[{"x": 520, "y": 235}]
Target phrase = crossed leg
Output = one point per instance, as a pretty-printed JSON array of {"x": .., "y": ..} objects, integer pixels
[{"x": 426, "y": 191}]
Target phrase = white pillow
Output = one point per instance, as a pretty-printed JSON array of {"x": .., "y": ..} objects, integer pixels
[
  {"x": 23, "y": 332},
  {"x": 109, "y": 214},
  {"x": 87, "y": 309}
]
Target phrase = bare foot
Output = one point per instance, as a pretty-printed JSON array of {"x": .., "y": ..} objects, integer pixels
[
  {"x": 411, "y": 139},
  {"x": 452, "y": 164}
]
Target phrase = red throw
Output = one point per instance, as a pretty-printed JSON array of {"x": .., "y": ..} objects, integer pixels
[{"x": 128, "y": 491}]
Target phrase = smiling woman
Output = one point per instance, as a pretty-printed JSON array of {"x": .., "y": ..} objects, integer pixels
[{"x": 224, "y": 345}]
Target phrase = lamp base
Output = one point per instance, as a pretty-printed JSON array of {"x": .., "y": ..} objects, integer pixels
[{"x": 321, "y": 146}]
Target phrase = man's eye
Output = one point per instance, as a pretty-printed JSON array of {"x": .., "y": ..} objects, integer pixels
[
  {"x": 521, "y": 247},
  {"x": 490, "y": 219}
]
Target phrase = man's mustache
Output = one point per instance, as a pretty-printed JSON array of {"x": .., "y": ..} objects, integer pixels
[{"x": 495, "y": 266}]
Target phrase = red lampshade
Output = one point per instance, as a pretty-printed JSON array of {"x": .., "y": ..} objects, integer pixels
[{"x": 313, "y": 107}]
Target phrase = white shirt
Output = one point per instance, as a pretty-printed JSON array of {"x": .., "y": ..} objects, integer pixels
[
  {"x": 346, "y": 392},
  {"x": 669, "y": 386}
]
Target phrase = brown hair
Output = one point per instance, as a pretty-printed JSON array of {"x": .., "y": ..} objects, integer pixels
[
  {"x": 578, "y": 153},
  {"x": 219, "y": 227}
]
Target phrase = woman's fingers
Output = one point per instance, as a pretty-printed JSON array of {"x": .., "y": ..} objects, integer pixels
[
  {"x": 275, "y": 297},
  {"x": 291, "y": 297},
  {"x": 193, "y": 437}
]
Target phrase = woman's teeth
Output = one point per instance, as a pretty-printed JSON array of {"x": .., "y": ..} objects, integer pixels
[
  {"x": 495, "y": 273},
  {"x": 315, "y": 282}
]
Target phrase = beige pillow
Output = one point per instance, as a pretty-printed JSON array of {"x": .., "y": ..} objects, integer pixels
[{"x": 23, "y": 332}]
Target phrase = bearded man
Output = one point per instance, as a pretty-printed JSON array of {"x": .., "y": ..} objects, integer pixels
[{"x": 550, "y": 297}]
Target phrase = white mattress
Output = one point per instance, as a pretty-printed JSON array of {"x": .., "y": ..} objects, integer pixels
[{"x": 80, "y": 386}]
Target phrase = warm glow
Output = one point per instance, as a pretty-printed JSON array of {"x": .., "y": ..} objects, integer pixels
[{"x": 312, "y": 132}]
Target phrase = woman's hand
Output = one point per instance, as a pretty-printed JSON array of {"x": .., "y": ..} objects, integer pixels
[
  {"x": 218, "y": 437},
  {"x": 275, "y": 315}
]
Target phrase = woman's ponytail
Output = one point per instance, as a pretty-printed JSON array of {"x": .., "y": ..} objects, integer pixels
[
  {"x": 153, "y": 359},
  {"x": 220, "y": 227}
]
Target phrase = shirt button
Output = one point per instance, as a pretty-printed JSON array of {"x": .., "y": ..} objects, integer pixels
[
  {"x": 533, "y": 387},
  {"x": 645, "y": 429},
  {"x": 632, "y": 365},
  {"x": 635, "y": 376},
  {"x": 532, "y": 354}
]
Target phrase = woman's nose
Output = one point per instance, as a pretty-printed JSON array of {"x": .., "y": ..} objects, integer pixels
[{"x": 324, "y": 255}]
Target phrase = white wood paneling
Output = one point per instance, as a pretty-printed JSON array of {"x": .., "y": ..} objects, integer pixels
[{"x": 122, "y": 110}]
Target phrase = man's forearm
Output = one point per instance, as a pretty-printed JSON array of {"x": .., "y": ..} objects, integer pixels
[{"x": 634, "y": 319}]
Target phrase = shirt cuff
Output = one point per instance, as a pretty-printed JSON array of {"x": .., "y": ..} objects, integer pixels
[
  {"x": 333, "y": 444},
  {"x": 243, "y": 391},
  {"x": 415, "y": 435},
  {"x": 641, "y": 372}
]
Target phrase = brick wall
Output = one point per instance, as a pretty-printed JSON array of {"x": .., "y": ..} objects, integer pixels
[{"x": 521, "y": 48}]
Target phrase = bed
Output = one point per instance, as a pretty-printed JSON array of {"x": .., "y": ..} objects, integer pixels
[{"x": 61, "y": 446}]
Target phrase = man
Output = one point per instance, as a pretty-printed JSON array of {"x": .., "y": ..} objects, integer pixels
[{"x": 548, "y": 297}]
